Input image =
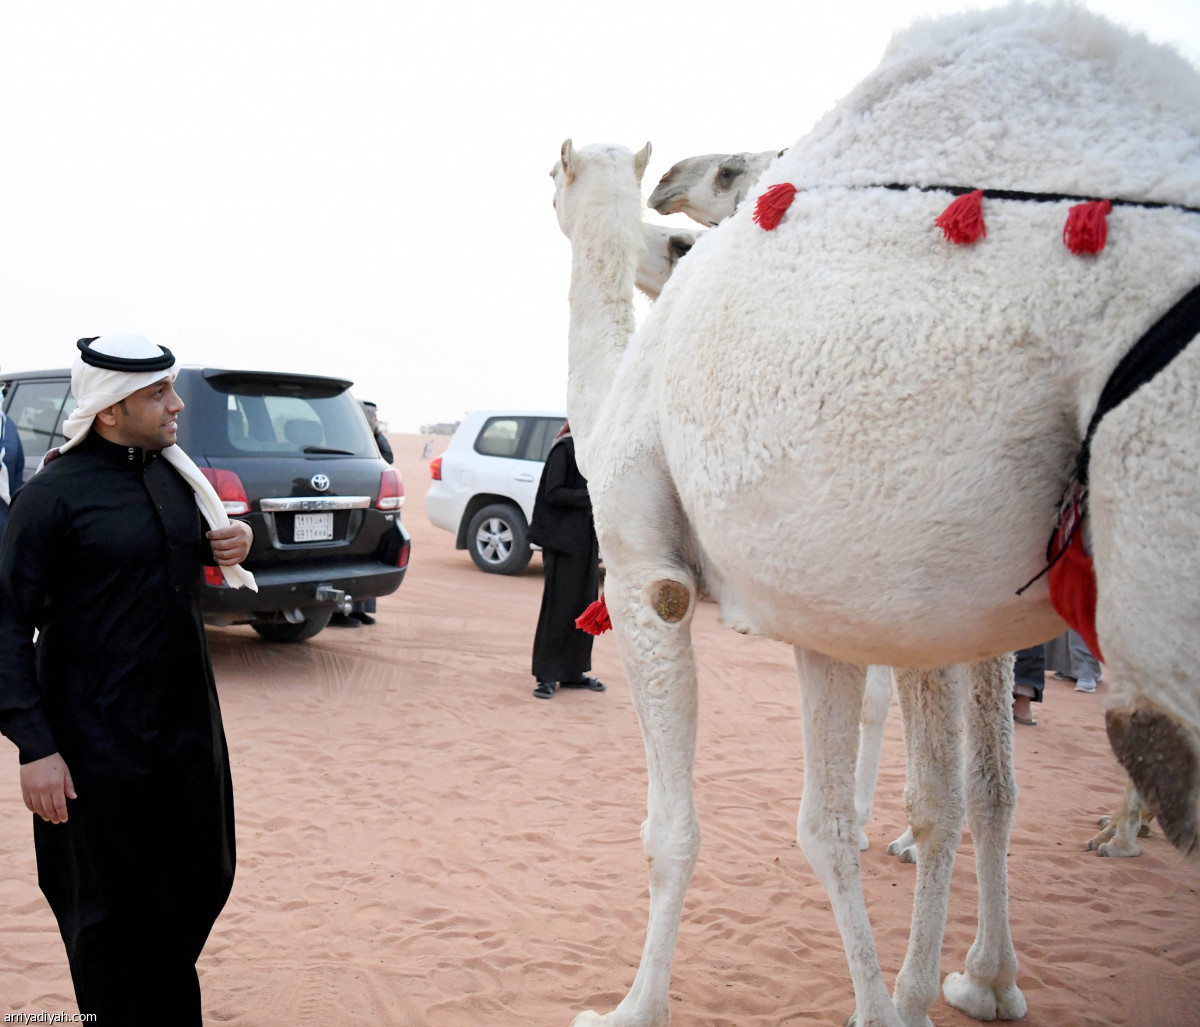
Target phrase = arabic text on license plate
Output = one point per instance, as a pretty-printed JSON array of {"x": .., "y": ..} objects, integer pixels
[{"x": 313, "y": 527}]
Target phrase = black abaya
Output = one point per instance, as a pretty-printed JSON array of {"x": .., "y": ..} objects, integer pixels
[{"x": 562, "y": 525}]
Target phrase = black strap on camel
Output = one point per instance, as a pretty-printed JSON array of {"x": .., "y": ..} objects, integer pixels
[
  {"x": 1023, "y": 197},
  {"x": 1165, "y": 340},
  {"x": 1162, "y": 343}
]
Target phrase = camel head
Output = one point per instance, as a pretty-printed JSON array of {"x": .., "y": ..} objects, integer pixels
[
  {"x": 586, "y": 171},
  {"x": 665, "y": 247},
  {"x": 710, "y": 187}
]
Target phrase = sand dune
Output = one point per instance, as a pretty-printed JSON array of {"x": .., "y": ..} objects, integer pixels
[{"x": 421, "y": 842}]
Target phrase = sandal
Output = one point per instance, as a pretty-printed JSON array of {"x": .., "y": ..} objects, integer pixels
[
  {"x": 544, "y": 690},
  {"x": 591, "y": 684},
  {"x": 1031, "y": 721}
]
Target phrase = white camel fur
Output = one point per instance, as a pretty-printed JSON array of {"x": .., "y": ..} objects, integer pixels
[{"x": 854, "y": 436}]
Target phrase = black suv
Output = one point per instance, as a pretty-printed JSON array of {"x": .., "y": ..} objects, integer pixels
[{"x": 289, "y": 454}]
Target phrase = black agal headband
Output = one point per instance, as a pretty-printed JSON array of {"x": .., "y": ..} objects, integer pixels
[{"x": 108, "y": 362}]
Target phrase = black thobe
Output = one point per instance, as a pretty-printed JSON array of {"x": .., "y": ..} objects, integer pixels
[
  {"x": 103, "y": 555},
  {"x": 562, "y": 526}
]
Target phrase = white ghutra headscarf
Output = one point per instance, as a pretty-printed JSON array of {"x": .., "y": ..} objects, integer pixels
[{"x": 111, "y": 368}]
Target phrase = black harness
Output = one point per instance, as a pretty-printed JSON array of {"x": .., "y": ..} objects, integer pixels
[
  {"x": 1023, "y": 197},
  {"x": 1162, "y": 343}
]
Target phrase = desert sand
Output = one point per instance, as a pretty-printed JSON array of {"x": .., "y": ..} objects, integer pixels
[{"x": 421, "y": 842}]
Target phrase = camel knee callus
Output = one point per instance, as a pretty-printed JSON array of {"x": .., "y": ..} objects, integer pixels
[{"x": 671, "y": 600}]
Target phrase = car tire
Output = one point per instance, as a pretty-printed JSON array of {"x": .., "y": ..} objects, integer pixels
[
  {"x": 315, "y": 621},
  {"x": 496, "y": 539}
]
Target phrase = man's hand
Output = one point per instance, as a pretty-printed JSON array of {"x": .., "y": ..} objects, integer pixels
[
  {"x": 46, "y": 786},
  {"x": 232, "y": 544}
]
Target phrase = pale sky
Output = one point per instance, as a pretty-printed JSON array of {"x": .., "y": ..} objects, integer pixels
[{"x": 360, "y": 188}]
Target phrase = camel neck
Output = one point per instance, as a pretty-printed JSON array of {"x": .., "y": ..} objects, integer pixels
[{"x": 602, "y": 319}]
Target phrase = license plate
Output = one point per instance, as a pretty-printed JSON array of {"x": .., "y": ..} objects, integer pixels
[{"x": 316, "y": 527}]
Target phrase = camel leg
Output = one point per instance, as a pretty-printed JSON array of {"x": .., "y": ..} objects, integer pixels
[
  {"x": 930, "y": 702},
  {"x": 653, "y": 629},
  {"x": 877, "y": 700},
  {"x": 987, "y": 988},
  {"x": 1142, "y": 525},
  {"x": 831, "y": 700}
]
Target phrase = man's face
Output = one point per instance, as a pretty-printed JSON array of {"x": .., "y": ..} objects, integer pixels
[{"x": 146, "y": 418}]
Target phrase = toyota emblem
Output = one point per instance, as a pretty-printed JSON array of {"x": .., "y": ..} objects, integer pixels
[{"x": 320, "y": 482}]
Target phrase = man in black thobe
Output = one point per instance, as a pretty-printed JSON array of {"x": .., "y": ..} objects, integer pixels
[{"x": 115, "y": 711}]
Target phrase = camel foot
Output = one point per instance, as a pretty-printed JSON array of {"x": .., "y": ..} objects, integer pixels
[
  {"x": 588, "y": 1018},
  {"x": 1101, "y": 837},
  {"x": 984, "y": 1002},
  {"x": 852, "y": 1021},
  {"x": 1118, "y": 849},
  {"x": 905, "y": 847},
  {"x": 864, "y": 842},
  {"x": 1110, "y": 842}
]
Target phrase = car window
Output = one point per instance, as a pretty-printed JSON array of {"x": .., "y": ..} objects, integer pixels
[
  {"x": 541, "y": 437},
  {"x": 255, "y": 423},
  {"x": 39, "y": 409},
  {"x": 500, "y": 436}
]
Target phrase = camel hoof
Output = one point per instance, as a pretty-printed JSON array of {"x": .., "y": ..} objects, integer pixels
[
  {"x": 588, "y": 1018},
  {"x": 864, "y": 842},
  {"x": 909, "y": 855},
  {"x": 1117, "y": 851},
  {"x": 983, "y": 1002}
]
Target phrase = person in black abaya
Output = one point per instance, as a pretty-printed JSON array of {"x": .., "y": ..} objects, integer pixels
[
  {"x": 562, "y": 526},
  {"x": 114, "y": 711}
]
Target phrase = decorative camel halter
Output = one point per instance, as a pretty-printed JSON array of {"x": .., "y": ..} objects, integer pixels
[{"x": 1085, "y": 231}]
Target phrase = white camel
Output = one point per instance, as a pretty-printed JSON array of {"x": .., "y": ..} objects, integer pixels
[
  {"x": 710, "y": 187},
  {"x": 854, "y": 436},
  {"x": 599, "y": 209},
  {"x": 664, "y": 247}
]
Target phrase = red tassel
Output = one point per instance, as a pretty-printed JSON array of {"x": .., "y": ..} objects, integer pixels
[
  {"x": 1086, "y": 230},
  {"x": 594, "y": 620},
  {"x": 773, "y": 204},
  {"x": 1072, "y": 583},
  {"x": 962, "y": 222}
]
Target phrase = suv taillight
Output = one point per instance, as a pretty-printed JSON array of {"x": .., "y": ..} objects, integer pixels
[
  {"x": 391, "y": 490},
  {"x": 435, "y": 468},
  {"x": 213, "y": 576},
  {"x": 230, "y": 490}
]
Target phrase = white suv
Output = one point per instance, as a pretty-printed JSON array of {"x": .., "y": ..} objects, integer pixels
[{"x": 484, "y": 484}]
